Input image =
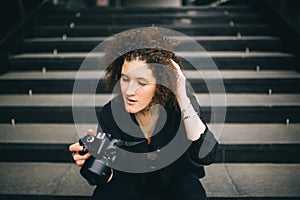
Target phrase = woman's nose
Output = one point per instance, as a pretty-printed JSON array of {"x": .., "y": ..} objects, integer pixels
[{"x": 131, "y": 89}]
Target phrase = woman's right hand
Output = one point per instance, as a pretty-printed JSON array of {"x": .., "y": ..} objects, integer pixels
[{"x": 76, "y": 148}]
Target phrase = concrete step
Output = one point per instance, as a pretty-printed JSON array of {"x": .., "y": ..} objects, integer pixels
[
  {"x": 239, "y": 81},
  {"x": 190, "y": 10},
  {"x": 172, "y": 11},
  {"x": 104, "y": 30},
  {"x": 209, "y": 43},
  {"x": 191, "y": 60},
  {"x": 257, "y": 143},
  {"x": 223, "y": 181},
  {"x": 242, "y": 143},
  {"x": 152, "y": 18},
  {"x": 231, "y": 133},
  {"x": 240, "y": 108}
]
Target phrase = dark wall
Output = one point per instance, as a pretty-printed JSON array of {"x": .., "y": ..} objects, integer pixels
[
  {"x": 284, "y": 17},
  {"x": 13, "y": 11},
  {"x": 13, "y": 29},
  {"x": 289, "y": 10}
]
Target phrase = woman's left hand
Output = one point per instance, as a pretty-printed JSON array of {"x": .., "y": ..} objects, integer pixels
[
  {"x": 193, "y": 124},
  {"x": 181, "y": 84}
]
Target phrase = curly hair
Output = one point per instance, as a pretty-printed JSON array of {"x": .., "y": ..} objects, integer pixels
[{"x": 156, "y": 51}]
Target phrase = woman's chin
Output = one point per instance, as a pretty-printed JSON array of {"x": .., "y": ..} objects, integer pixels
[{"x": 131, "y": 110}]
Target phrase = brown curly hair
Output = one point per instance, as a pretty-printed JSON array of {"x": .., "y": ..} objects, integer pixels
[{"x": 158, "y": 57}]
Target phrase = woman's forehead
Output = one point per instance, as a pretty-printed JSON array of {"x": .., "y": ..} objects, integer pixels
[{"x": 137, "y": 69}]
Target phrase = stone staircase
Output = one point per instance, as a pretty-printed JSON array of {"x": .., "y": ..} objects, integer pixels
[{"x": 259, "y": 142}]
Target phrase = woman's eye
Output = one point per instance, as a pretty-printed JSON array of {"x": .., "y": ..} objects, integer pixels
[
  {"x": 142, "y": 84},
  {"x": 125, "y": 79}
]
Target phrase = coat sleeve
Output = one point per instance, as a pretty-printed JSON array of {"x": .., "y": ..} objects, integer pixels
[
  {"x": 203, "y": 150},
  {"x": 101, "y": 125},
  {"x": 106, "y": 124}
]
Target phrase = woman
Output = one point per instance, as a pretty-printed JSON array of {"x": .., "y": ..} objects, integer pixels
[{"x": 152, "y": 90}]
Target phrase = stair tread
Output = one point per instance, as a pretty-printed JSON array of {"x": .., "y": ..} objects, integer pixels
[
  {"x": 169, "y": 26},
  {"x": 190, "y": 74},
  {"x": 43, "y": 133},
  {"x": 147, "y": 10},
  {"x": 257, "y": 133},
  {"x": 202, "y": 14},
  {"x": 86, "y": 100},
  {"x": 78, "y": 44},
  {"x": 213, "y": 54},
  {"x": 221, "y": 180},
  {"x": 252, "y": 180},
  {"x": 155, "y": 9},
  {"x": 231, "y": 134},
  {"x": 200, "y": 38}
]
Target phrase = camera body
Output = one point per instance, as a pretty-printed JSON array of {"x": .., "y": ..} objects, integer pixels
[{"x": 96, "y": 169}]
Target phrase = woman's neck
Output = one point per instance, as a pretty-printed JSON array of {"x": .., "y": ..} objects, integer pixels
[
  {"x": 143, "y": 118},
  {"x": 147, "y": 120}
]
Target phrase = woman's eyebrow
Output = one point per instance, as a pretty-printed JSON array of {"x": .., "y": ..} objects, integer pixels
[
  {"x": 143, "y": 79},
  {"x": 137, "y": 78}
]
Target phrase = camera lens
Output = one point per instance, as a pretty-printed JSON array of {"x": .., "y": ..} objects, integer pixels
[
  {"x": 90, "y": 139},
  {"x": 95, "y": 171}
]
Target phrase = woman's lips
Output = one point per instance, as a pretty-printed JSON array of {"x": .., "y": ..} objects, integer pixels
[{"x": 131, "y": 101}]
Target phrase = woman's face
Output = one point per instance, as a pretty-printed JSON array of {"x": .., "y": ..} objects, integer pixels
[{"x": 137, "y": 85}]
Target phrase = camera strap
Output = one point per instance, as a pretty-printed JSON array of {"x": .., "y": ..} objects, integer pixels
[
  {"x": 122, "y": 143},
  {"x": 119, "y": 142}
]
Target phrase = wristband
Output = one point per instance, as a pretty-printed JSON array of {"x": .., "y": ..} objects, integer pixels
[
  {"x": 188, "y": 112},
  {"x": 184, "y": 117}
]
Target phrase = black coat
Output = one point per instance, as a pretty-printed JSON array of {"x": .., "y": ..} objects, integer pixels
[{"x": 113, "y": 117}]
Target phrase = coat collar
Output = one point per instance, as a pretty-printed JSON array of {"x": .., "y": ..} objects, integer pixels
[{"x": 124, "y": 126}]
